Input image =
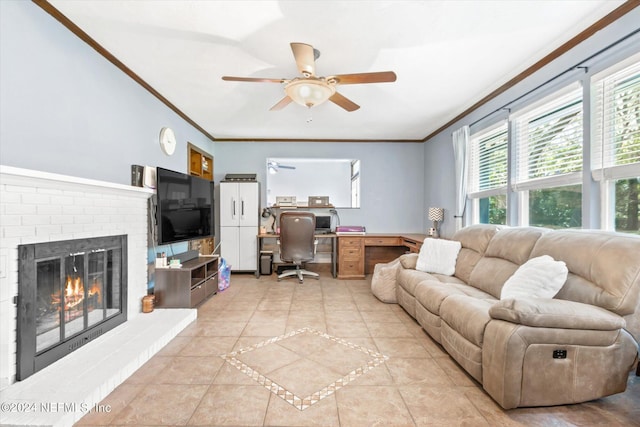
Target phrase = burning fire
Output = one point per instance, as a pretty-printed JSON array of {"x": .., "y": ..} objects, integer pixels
[
  {"x": 95, "y": 290},
  {"x": 74, "y": 293}
]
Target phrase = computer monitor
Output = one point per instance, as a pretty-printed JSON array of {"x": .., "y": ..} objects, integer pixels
[{"x": 323, "y": 224}]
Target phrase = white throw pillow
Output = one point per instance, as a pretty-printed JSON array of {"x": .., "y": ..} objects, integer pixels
[
  {"x": 540, "y": 277},
  {"x": 438, "y": 256}
]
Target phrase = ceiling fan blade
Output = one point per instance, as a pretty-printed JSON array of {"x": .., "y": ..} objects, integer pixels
[
  {"x": 252, "y": 79},
  {"x": 378, "y": 77},
  {"x": 281, "y": 104},
  {"x": 343, "y": 102},
  {"x": 305, "y": 58}
]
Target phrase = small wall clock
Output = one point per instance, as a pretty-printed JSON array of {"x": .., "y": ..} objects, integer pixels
[{"x": 167, "y": 141}]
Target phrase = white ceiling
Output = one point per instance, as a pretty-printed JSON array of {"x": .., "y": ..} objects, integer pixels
[{"x": 447, "y": 55}]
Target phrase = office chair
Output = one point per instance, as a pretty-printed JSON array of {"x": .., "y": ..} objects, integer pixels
[{"x": 297, "y": 242}]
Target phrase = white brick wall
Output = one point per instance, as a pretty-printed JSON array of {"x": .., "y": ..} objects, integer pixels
[{"x": 42, "y": 207}]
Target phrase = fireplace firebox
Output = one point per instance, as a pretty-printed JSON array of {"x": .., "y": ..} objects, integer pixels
[{"x": 69, "y": 292}]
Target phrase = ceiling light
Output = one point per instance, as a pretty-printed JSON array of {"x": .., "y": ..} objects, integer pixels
[{"x": 309, "y": 92}]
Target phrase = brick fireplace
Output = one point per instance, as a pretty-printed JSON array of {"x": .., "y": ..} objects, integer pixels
[
  {"x": 42, "y": 208},
  {"x": 69, "y": 293},
  {"x": 38, "y": 207}
]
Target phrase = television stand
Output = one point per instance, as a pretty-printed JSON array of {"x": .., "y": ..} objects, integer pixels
[{"x": 187, "y": 286}]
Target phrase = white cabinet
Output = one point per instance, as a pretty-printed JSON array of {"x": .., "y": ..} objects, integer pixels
[
  {"x": 230, "y": 246},
  {"x": 239, "y": 218},
  {"x": 239, "y": 204}
]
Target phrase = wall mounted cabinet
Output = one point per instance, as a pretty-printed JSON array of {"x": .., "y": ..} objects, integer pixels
[{"x": 200, "y": 162}]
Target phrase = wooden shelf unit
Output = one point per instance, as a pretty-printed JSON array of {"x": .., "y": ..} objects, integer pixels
[
  {"x": 200, "y": 162},
  {"x": 187, "y": 286}
]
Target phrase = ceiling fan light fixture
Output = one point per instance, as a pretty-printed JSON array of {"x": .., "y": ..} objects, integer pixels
[{"x": 309, "y": 92}]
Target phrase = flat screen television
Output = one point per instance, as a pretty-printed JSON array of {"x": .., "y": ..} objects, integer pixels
[{"x": 185, "y": 207}]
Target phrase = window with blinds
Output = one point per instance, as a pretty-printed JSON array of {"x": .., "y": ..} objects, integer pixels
[
  {"x": 488, "y": 161},
  {"x": 616, "y": 134},
  {"x": 549, "y": 142}
]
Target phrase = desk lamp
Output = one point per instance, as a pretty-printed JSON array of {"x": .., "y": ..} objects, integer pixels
[
  {"x": 269, "y": 213},
  {"x": 436, "y": 215}
]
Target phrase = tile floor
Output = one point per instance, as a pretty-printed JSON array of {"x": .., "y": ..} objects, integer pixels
[{"x": 324, "y": 353}]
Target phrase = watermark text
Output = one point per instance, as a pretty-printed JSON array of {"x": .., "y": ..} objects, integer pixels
[{"x": 52, "y": 407}]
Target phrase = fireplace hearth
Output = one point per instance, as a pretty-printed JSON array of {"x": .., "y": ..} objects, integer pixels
[{"x": 69, "y": 293}]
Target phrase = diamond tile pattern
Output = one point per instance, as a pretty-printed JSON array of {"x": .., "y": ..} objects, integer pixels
[{"x": 287, "y": 390}]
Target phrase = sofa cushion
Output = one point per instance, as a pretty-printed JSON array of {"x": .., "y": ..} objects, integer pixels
[
  {"x": 467, "y": 315},
  {"x": 514, "y": 244},
  {"x": 554, "y": 313},
  {"x": 509, "y": 248},
  {"x": 409, "y": 279},
  {"x": 430, "y": 294},
  {"x": 438, "y": 256},
  {"x": 604, "y": 267},
  {"x": 474, "y": 240},
  {"x": 540, "y": 277}
]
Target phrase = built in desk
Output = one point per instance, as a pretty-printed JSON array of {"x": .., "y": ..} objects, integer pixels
[
  {"x": 358, "y": 254},
  {"x": 354, "y": 256},
  {"x": 330, "y": 236}
]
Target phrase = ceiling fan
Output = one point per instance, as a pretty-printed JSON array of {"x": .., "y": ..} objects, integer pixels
[
  {"x": 311, "y": 90},
  {"x": 274, "y": 166}
]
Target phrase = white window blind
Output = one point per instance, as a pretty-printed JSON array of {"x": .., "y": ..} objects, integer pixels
[
  {"x": 616, "y": 109},
  {"x": 488, "y": 162},
  {"x": 549, "y": 142}
]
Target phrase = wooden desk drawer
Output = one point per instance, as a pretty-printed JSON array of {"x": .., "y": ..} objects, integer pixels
[
  {"x": 350, "y": 253},
  {"x": 351, "y": 269},
  {"x": 382, "y": 241},
  {"x": 350, "y": 242}
]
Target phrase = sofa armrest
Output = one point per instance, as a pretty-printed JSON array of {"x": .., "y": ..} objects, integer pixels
[
  {"x": 556, "y": 313},
  {"x": 409, "y": 261}
]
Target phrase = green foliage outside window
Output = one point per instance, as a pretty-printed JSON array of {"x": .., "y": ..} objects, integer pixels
[
  {"x": 628, "y": 205},
  {"x": 627, "y": 151},
  {"x": 493, "y": 210},
  {"x": 556, "y": 207},
  {"x": 554, "y": 147}
]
